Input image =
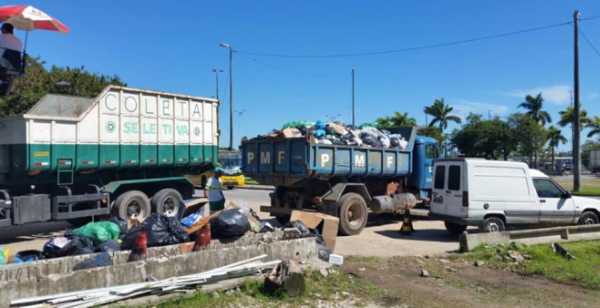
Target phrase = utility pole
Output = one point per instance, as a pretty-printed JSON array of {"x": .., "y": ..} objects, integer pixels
[
  {"x": 217, "y": 71},
  {"x": 353, "y": 102},
  {"x": 577, "y": 120},
  {"x": 230, "y": 93}
]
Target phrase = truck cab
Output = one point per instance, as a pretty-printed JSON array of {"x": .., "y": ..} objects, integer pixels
[{"x": 494, "y": 195}]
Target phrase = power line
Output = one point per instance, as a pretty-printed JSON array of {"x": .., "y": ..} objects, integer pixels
[
  {"x": 414, "y": 48},
  {"x": 589, "y": 42}
]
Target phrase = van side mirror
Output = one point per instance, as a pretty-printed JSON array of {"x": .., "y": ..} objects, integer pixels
[{"x": 566, "y": 195}]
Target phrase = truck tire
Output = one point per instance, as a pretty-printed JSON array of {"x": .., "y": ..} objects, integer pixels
[
  {"x": 493, "y": 224},
  {"x": 588, "y": 218},
  {"x": 133, "y": 204},
  {"x": 168, "y": 202},
  {"x": 353, "y": 214},
  {"x": 454, "y": 228}
]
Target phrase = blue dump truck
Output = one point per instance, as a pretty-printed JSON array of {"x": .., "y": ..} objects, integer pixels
[{"x": 344, "y": 181}]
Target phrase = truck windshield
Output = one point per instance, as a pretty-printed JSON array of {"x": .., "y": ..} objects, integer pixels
[{"x": 431, "y": 151}]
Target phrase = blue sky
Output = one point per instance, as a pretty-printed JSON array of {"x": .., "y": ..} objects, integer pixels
[{"x": 173, "y": 47}]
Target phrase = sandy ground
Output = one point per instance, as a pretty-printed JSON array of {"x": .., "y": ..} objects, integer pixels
[{"x": 457, "y": 283}]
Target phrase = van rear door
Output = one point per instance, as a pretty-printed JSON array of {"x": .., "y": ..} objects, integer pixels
[
  {"x": 456, "y": 206},
  {"x": 448, "y": 186}
]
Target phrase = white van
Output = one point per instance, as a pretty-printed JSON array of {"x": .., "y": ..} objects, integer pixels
[{"x": 495, "y": 194}]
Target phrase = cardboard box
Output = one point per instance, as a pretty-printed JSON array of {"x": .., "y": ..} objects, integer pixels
[{"x": 312, "y": 220}]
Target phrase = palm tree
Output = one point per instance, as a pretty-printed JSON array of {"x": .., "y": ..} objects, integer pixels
[
  {"x": 534, "y": 106},
  {"x": 396, "y": 120},
  {"x": 441, "y": 114},
  {"x": 594, "y": 125},
  {"x": 555, "y": 138},
  {"x": 567, "y": 117}
]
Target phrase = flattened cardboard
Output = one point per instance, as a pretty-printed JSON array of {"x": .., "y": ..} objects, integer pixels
[{"x": 312, "y": 220}]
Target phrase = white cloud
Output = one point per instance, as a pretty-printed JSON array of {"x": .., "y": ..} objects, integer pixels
[
  {"x": 558, "y": 94},
  {"x": 463, "y": 107}
]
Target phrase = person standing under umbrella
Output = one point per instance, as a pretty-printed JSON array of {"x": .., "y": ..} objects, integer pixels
[{"x": 8, "y": 40}]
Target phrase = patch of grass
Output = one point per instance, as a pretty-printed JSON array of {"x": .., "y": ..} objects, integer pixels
[
  {"x": 590, "y": 186},
  {"x": 251, "y": 293},
  {"x": 541, "y": 260}
]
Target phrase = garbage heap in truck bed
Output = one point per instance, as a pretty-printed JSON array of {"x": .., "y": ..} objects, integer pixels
[{"x": 337, "y": 133}]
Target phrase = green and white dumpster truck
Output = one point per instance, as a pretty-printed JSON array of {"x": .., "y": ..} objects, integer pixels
[{"x": 125, "y": 152}]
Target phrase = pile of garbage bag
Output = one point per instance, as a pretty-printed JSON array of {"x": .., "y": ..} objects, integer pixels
[{"x": 338, "y": 133}]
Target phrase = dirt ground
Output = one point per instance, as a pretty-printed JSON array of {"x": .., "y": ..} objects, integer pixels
[{"x": 457, "y": 283}]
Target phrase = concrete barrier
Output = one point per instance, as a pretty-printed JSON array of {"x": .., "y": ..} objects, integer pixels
[
  {"x": 57, "y": 275},
  {"x": 468, "y": 241}
]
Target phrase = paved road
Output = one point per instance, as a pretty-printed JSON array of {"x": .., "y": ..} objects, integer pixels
[{"x": 380, "y": 238}]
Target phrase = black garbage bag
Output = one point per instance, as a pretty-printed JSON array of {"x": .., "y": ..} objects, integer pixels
[
  {"x": 109, "y": 246},
  {"x": 230, "y": 223},
  {"x": 304, "y": 231},
  {"x": 121, "y": 223},
  {"x": 161, "y": 231}
]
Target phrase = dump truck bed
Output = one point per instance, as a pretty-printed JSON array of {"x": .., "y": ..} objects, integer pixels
[{"x": 285, "y": 161}]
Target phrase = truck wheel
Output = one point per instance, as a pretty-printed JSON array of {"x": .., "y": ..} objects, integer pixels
[
  {"x": 353, "y": 214},
  {"x": 168, "y": 202},
  {"x": 493, "y": 224},
  {"x": 454, "y": 228},
  {"x": 133, "y": 204},
  {"x": 588, "y": 218}
]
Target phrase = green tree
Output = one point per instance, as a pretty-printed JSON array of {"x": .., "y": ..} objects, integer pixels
[
  {"x": 555, "y": 138},
  {"x": 535, "y": 106},
  {"x": 441, "y": 113},
  {"x": 38, "y": 81},
  {"x": 530, "y": 136},
  {"x": 594, "y": 126},
  {"x": 396, "y": 120},
  {"x": 490, "y": 139},
  {"x": 567, "y": 117},
  {"x": 432, "y": 132}
]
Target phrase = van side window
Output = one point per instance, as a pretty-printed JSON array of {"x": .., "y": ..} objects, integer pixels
[
  {"x": 440, "y": 176},
  {"x": 546, "y": 189},
  {"x": 454, "y": 178}
]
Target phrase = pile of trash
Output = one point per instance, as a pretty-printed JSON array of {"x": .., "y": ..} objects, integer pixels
[
  {"x": 338, "y": 133},
  {"x": 108, "y": 236}
]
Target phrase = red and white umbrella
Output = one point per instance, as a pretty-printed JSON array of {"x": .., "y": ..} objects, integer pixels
[{"x": 27, "y": 17}]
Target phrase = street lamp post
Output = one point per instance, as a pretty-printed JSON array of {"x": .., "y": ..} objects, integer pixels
[
  {"x": 230, "y": 93},
  {"x": 217, "y": 71}
]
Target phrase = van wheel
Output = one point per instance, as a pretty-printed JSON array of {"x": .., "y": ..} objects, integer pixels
[
  {"x": 353, "y": 214},
  {"x": 168, "y": 202},
  {"x": 454, "y": 228},
  {"x": 493, "y": 224},
  {"x": 588, "y": 218},
  {"x": 133, "y": 204}
]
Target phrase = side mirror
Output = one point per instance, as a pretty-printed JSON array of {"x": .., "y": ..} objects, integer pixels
[{"x": 566, "y": 195}]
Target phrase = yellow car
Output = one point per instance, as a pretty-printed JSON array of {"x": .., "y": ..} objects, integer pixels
[
  {"x": 232, "y": 180},
  {"x": 228, "y": 179}
]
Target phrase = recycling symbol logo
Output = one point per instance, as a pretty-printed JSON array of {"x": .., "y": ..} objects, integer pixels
[{"x": 110, "y": 126}]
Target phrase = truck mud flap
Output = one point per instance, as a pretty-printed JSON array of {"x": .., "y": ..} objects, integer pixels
[{"x": 65, "y": 207}]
